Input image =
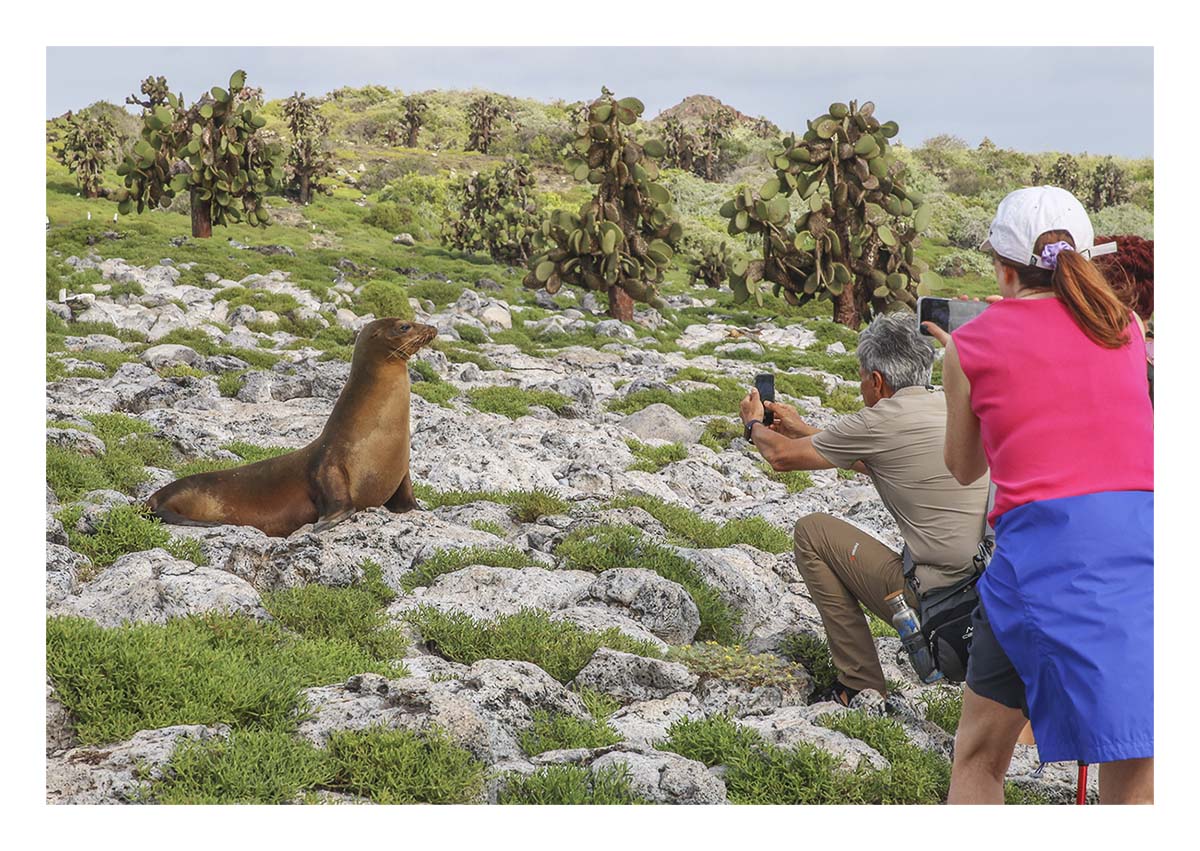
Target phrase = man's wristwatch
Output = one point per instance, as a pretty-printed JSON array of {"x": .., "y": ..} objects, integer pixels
[{"x": 750, "y": 428}]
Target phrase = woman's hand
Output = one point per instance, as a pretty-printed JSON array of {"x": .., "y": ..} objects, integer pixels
[
  {"x": 937, "y": 332},
  {"x": 788, "y": 421},
  {"x": 752, "y": 407}
]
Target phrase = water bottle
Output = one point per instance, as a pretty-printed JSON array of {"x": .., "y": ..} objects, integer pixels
[{"x": 905, "y": 620}]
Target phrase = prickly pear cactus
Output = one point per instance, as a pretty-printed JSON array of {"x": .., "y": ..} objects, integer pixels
[
  {"x": 415, "y": 108},
  {"x": 1067, "y": 174},
  {"x": 713, "y": 131},
  {"x": 154, "y": 93},
  {"x": 496, "y": 213},
  {"x": 308, "y": 159},
  {"x": 482, "y": 114},
  {"x": 679, "y": 144},
  {"x": 853, "y": 239},
  {"x": 1108, "y": 185},
  {"x": 713, "y": 267},
  {"x": 87, "y": 145},
  {"x": 214, "y": 150},
  {"x": 622, "y": 241}
]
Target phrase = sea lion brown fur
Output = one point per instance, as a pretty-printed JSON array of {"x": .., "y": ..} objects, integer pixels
[{"x": 360, "y": 459}]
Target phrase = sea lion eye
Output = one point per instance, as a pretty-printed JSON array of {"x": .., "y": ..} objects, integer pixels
[{"x": 405, "y": 327}]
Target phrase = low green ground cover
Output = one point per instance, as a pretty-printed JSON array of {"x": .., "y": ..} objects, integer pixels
[
  {"x": 559, "y": 648},
  {"x": 600, "y": 548}
]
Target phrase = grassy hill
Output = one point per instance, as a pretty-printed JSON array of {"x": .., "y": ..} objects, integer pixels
[{"x": 381, "y": 190}]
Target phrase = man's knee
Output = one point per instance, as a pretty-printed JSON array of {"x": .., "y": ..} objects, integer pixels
[{"x": 812, "y": 527}]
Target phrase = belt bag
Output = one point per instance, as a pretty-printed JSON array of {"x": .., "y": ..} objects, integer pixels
[{"x": 946, "y": 617}]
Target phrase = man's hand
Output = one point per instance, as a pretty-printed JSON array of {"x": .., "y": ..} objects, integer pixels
[
  {"x": 752, "y": 407},
  {"x": 788, "y": 421}
]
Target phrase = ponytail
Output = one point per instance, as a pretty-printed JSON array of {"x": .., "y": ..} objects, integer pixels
[
  {"x": 1086, "y": 293},
  {"x": 1082, "y": 288}
]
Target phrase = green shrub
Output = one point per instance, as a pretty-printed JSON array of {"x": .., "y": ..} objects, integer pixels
[
  {"x": 280, "y": 303},
  {"x": 570, "y": 784},
  {"x": 757, "y": 772},
  {"x": 957, "y": 264},
  {"x": 448, "y": 561},
  {"x": 559, "y": 648},
  {"x": 553, "y": 731},
  {"x": 796, "y": 481},
  {"x": 600, "y": 548},
  {"x": 391, "y": 217},
  {"x": 471, "y": 334},
  {"x": 845, "y": 400},
  {"x": 229, "y": 383},
  {"x": 943, "y": 706},
  {"x": 526, "y": 506},
  {"x": 248, "y": 453},
  {"x": 403, "y": 767},
  {"x": 490, "y": 527},
  {"x": 1023, "y": 796},
  {"x": 690, "y": 529},
  {"x": 456, "y": 354},
  {"x": 690, "y": 403},
  {"x": 710, "y": 660},
  {"x": 813, "y": 653},
  {"x": 249, "y": 767},
  {"x": 129, "y": 449},
  {"x": 352, "y": 615},
  {"x": 384, "y": 299},
  {"x": 720, "y": 433},
  {"x": 125, "y": 529},
  {"x": 513, "y": 402},
  {"x": 439, "y": 392},
  {"x": 181, "y": 370},
  {"x": 916, "y": 776},
  {"x": 439, "y": 292},
  {"x": 207, "y": 669},
  {"x": 651, "y": 459}
]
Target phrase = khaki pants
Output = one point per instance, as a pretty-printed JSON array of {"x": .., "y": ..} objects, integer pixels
[{"x": 842, "y": 567}]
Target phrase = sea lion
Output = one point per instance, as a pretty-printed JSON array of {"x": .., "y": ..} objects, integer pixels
[{"x": 360, "y": 459}]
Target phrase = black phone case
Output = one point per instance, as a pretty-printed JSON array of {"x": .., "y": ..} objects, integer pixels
[{"x": 765, "y": 384}]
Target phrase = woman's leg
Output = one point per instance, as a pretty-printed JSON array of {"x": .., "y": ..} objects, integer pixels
[
  {"x": 1128, "y": 781},
  {"x": 983, "y": 748}
]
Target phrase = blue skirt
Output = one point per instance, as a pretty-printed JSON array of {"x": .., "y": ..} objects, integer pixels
[{"x": 1070, "y": 596}]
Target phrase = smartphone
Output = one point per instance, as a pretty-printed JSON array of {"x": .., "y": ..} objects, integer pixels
[
  {"x": 765, "y": 385},
  {"x": 949, "y": 314}
]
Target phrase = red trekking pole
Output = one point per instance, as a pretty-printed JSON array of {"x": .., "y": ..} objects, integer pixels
[{"x": 1081, "y": 789}]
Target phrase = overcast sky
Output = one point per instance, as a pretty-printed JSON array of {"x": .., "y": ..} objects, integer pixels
[{"x": 1078, "y": 99}]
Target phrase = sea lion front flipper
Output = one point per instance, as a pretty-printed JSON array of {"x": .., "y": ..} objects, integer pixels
[
  {"x": 333, "y": 500},
  {"x": 403, "y": 499}
]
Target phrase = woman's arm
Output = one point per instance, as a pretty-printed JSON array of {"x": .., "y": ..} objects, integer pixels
[{"x": 963, "y": 451}]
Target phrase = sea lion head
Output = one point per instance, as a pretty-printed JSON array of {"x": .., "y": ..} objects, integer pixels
[{"x": 392, "y": 340}]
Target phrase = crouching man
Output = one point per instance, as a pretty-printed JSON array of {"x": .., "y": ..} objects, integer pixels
[{"x": 897, "y": 440}]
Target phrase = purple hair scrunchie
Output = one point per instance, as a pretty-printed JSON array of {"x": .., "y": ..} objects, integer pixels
[{"x": 1050, "y": 254}]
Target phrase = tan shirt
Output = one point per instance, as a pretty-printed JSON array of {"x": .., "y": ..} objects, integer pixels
[{"x": 900, "y": 441}]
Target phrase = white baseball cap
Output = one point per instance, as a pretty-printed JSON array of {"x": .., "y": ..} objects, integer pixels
[{"x": 1028, "y": 213}]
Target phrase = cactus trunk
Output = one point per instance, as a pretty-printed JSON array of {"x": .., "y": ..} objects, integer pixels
[
  {"x": 305, "y": 188},
  {"x": 620, "y": 304},
  {"x": 845, "y": 310},
  {"x": 201, "y": 217}
]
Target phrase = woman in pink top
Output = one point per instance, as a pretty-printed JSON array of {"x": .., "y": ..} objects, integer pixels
[{"x": 1048, "y": 389}]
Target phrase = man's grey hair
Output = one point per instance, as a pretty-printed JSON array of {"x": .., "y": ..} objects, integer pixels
[{"x": 892, "y": 346}]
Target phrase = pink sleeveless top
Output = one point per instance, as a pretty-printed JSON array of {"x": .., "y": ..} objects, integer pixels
[{"x": 1059, "y": 414}]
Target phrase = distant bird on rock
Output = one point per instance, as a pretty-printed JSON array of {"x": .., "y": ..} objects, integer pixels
[{"x": 89, "y": 215}]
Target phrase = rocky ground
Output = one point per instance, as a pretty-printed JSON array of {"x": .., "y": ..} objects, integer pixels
[{"x": 578, "y": 452}]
